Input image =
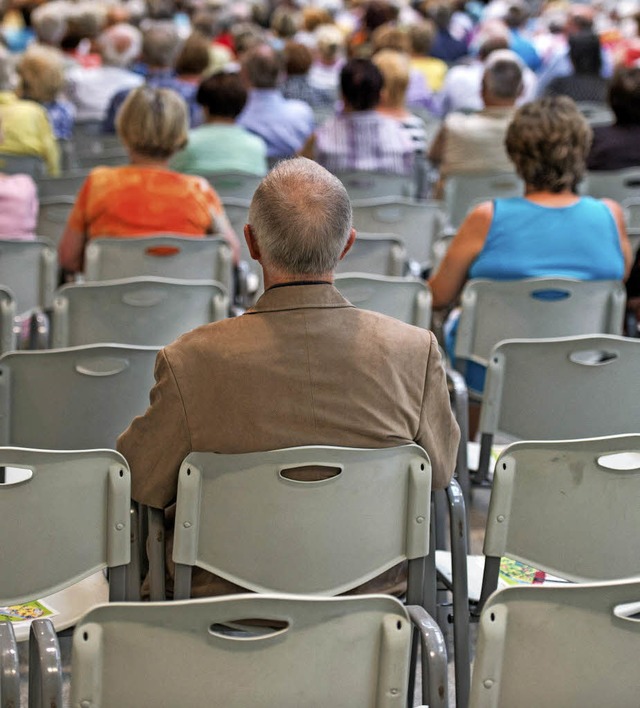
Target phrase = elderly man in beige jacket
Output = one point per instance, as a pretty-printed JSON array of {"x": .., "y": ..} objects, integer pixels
[{"x": 302, "y": 367}]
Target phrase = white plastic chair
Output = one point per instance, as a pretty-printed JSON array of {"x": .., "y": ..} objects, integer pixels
[
  {"x": 52, "y": 217},
  {"x": 7, "y": 319},
  {"x": 29, "y": 270},
  {"x": 163, "y": 256},
  {"x": 614, "y": 184},
  {"x": 361, "y": 184},
  {"x": 378, "y": 254},
  {"x": 22, "y": 164},
  {"x": 559, "y": 646},
  {"x": 240, "y": 185},
  {"x": 66, "y": 185},
  {"x": 137, "y": 311}
]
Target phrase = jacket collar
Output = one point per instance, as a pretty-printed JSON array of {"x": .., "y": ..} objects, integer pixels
[{"x": 299, "y": 297}]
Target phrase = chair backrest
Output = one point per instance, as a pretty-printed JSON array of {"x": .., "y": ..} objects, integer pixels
[
  {"x": 52, "y": 217},
  {"x": 29, "y": 269},
  {"x": 464, "y": 191},
  {"x": 237, "y": 211},
  {"x": 614, "y": 184},
  {"x": 381, "y": 254},
  {"x": 416, "y": 223},
  {"x": 73, "y": 399},
  {"x": 596, "y": 113},
  {"x": 536, "y": 307},
  {"x": 164, "y": 256},
  {"x": 22, "y": 164},
  {"x": 367, "y": 185},
  {"x": 251, "y": 519},
  {"x": 241, "y": 185},
  {"x": 7, "y": 317},
  {"x": 564, "y": 388},
  {"x": 339, "y": 652},
  {"x": 111, "y": 156},
  {"x": 406, "y": 299},
  {"x": 574, "y": 645},
  {"x": 568, "y": 507},
  {"x": 143, "y": 311},
  {"x": 66, "y": 185},
  {"x": 67, "y": 521},
  {"x": 631, "y": 206}
]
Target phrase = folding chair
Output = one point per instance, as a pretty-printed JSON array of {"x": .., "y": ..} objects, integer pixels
[
  {"x": 416, "y": 223},
  {"x": 7, "y": 319},
  {"x": 462, "y": 192},
  {"x": 240, "y": 185},
  {"x": 555, "y": 389},
  {"x": 137, "y": 311},
  {"x": 72, "y": 399},
  {"x": 163, "y": 256},
  {"x": 381, "y": 254},
  {"x": 406, "y": 299},
  {"x": 361, "y": 184},
  {"x": 260, "y": 521},
  {"x": 22, "y": 164},
  {"x": 52, "y": 217},
  {"x": 536, "y": 647},
  {"x": 339, "y": 652},
  {"x": 66, "y": 185}
]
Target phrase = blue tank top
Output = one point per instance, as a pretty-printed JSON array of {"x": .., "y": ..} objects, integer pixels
[{"x": 527, "y": 240}]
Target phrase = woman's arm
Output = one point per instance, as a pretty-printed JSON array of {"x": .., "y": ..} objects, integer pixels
[
  {"x": 625, "y": 244},
  {"x": 449, "y": 280},
  {"x": 74, "y": 238}
]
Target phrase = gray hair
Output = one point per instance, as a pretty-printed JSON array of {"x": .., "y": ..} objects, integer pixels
[
  {"x": 49, "y": 21},
  {"x": 502, "y": 76},
  {"x": 301, "y": 217},
  {"x": 262, "y": 66},
  {"x": 160, "y": 44},
  {"x": 120, "y": 45}
]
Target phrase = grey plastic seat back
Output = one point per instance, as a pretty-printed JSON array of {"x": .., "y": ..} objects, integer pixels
[
  {"x": 381, "y": 254},
  {"x": 7, "y": 317},
  {"x": 536, "y": 307},
  {"x": 568, "y": 507},
  {"x": 406, "y": 299},
  {"x": 564, "y": 388},
  {"x": 462, "y": 192},
  {"x": 241, "y": 185},
  {"x": 52, "y": 217},
  {"x": 575, "y": 645},
  {"x": 29, "y": 270},
  {"x": 614, "y": 184},
  {"x": 22, "y": 164},
  {"x": 163, "y": 256},
  {"x": 243, "y": 518},
  {"x": 416, "y": 223},
  {"x": 109, "y": 156},
  {"x": 66, "y": 185},
  {"x": 339, "y": 652},
  {"x": 596, "y": 113},
  {"x": 367, "y": 185},
  {"x": 68, "y": 521},
  {"x": 139, "y": 311},
  {"x": 73, "y": 399}
]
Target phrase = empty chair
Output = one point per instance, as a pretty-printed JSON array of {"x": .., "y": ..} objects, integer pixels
[
  {"x": 405, "y": 299},
  {"x": 164, "y": 256},
  {"x": 73, "y": 399},
  {"x": 145, "y": 311},
  {"x": 465, "y": 190},
  {"x": 52, "y": 217},
  {"x": 381, "y": 254},
  {"x": 240, "y": 185},
  {"x": 7, "y": 318},
  {"x": 66, "y": 185},
  {"x": 416, "y": 223},
  {"x": 22, "y": 164},
  {"x": 339, "y": 652},
  {"x": 29, "y": 270},
  {"x": 536, "y": 647},
  {"x": 367, "y": 185}
]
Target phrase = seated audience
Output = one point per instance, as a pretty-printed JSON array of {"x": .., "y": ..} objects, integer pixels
[
  {"x": 297, "y": 62},
  {"x": 25, "y": 127},
  {"x": 585, "y": 82},
  {"x": 144, "y": 197},
  {"x": 551, "y": 230},
  {"x": 220, "y": 145},
  {"x": 18, "y": 207},
  {"x": 324, "y": 73},
  {"x": 433, "y": 70},
  {"x": 617, "y": 146},
  {"x": 360, "y": 138},
  {"x": 302, "y": 367}
]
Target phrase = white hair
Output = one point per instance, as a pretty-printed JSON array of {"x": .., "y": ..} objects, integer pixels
[{"x": 120, "y": 45}]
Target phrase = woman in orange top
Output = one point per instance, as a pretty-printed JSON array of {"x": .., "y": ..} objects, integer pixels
[{"x": 144, "y": 197}]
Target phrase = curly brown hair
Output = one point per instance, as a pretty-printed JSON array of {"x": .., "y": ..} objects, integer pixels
[{"x": 548, "y": 141}]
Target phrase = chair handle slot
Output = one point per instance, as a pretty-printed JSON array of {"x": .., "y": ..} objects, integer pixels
[
  {"x": 250, "y": 629},
  {"x": 550, "y": 294},
  {"x": 310, "y": 474},
  {"x": 629, "y": 611},
  {"x": 593, "y": 357},
  {"x": 149, "y": 298},
  {"x": 162, "y": 251},
  {"x": 620, "y": 461},
  {"x": 102, "y": 366}
]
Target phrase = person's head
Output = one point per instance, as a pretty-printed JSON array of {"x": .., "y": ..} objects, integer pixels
[
  {"x": 516, "y": 15},
  {"x": 153, "y": 123},
  {"x": 41, "y": 73},
  {"x": 502, "y": 79},
  {"x": 585, "y": 53},
  {"x": 492, "y": 44},
  {"x": 160, "y": 45},
  {"x": 421, "y": 36},
  {"x": 300, "y": 220},
  {"x": 361, "y": 84},
  {"x": 284, "y": 22},
  {"x": 222, "y": 95},
  {"x": 579, "y": 19},
  {"x": 314, "y": 17},
  {"x": 120, "y": 45},
  {"x": 378, "y": 13},
  {"x": 624, "y": 95},
  {"x": 297, "y": 59},
  {"x": 261, "y": 67},
  {"x": 193, "y": 58},
  {"x": 329, "y": 42},
  {"x": 548, "y": 141},
  {"x": 390, "y": 37},
  {"x": 394, "y": 67},
  {"x": 49, "y": 22}
]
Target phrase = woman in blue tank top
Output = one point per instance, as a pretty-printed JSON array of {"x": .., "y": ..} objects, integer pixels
[{"x": 550, "y": 231}]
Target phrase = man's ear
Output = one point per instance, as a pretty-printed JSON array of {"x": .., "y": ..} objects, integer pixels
[
  {"x": 350, "y": 240},
  {"x": 252, "y": 244}
]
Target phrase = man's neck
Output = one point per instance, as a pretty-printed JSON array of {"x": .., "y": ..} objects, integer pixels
[{"x": 272, "y": 278}]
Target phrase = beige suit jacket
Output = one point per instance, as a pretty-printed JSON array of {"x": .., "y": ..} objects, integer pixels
[{"x": 303, "y": 367}]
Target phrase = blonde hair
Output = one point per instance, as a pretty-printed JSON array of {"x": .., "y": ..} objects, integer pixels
[
  {"x": 41, "y": 73},
  {"x": 153, "y": 122},
  {"x": 394, "y": 67}
]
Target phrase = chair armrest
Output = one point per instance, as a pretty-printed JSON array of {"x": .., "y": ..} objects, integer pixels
[
  {"x": 45, "y": 666},
  {"x": 434, "y": 658}
]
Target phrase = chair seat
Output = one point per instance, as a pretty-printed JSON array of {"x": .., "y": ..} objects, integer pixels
[{"x": 70, "y": 604}]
